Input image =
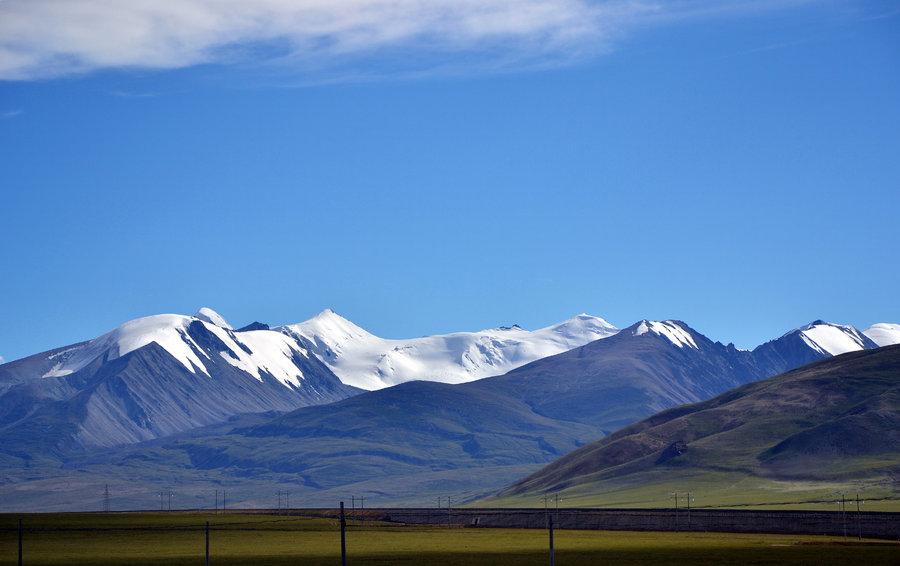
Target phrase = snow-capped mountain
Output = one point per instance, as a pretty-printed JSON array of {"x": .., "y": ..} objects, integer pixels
[
  {"x": 655, "y": 365},
  {"x": 166, "y": 374},
  {"x": 809, "y": 343},
  {"x": 674, "y": 332},
  {"x": 883, "y": 334},
  {"x": 645, "y": 368},
  {"x": 255, "y": 352},
  {"x": 157, "y": 376},
  {"x": 366, "y": 361},
  {"x": 833, "y": 339}
]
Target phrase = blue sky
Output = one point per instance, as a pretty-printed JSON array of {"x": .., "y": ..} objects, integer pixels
[{"x": 470, "y": 165}]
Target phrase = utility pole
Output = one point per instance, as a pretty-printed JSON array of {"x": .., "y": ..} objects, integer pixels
[
  {"x": 858, "y": 523},
  {"x": 689, "y": 509},
  {"x": 217, "y": 503},
  {"x": 676, "y": 511},
  {"x": 106, "y": 499},
  {"x": 343, "y": 540},
  {"x": 550, "y": 527},
  {"x": 843, "y": 516},
  {"x": 557, "y": 508},
  {"x": 448, "y": 512}
]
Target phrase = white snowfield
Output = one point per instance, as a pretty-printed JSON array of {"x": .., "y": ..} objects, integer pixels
[
  {"x": 668, "y": 329},
  {"x": 366, "y": 361},
  {"x": 208, "y": 315},
  {"x": 883, "y": 333},
  {"x": 272, "y": 352},
  {"x": 832, "y": 339}
]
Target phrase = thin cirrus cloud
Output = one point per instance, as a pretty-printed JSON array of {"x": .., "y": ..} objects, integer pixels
[{"x": 53, "y": 38}]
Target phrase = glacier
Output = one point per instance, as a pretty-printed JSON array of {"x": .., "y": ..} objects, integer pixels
[{"x": 369, "y": 362}]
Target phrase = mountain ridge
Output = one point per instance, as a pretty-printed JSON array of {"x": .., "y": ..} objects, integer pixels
[{"x": 824, "y": 421}]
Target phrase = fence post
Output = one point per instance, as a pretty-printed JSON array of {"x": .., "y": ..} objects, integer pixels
[
  {"x": 20, "y": 542},
  {"x": 207, "y": 543},
  {"x": 343, "y": 541}
]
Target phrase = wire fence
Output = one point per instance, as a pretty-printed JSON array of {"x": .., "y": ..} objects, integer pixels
[{"x": 205, "y": 535}]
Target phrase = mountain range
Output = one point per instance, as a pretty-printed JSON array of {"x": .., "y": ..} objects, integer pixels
[
  {"x": 167, "y": 374},
  {"x": 830, "y": 425},
  {"x": 190, "y": 401}
]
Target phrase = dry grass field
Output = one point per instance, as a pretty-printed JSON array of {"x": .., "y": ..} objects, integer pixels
[{"x": 180, "y": 539}]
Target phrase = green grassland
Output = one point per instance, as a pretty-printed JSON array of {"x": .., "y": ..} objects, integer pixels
[
  {"x": 714, "y": 489},
  {"x": 179, "y": 538}
]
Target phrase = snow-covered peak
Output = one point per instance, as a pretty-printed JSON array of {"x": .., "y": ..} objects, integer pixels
[
  {"x": 883, "y": 333},
  {"x": 831, "y": 339},
  {"x": 208, "y": 315},
  {"x": 167, "y": 330},
  {"x": 670, "y": 329},
  {"x": 582, "y": 327},
  {"x": 328, "y": 331},
  {"x": 254, "y": 352},
  {"x": 366, "y": 361}
]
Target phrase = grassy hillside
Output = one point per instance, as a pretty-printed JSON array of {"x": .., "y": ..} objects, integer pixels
[{"x": 828, "y": 428}]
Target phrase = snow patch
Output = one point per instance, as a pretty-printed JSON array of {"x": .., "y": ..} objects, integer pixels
[
  {"x": 832, "y": 339},
  {"x": 208, "y": 315},
  {"x": 669, "y": 329},
  {"x": 271, "y": 352},
  {"x": 883, "y": 333}
]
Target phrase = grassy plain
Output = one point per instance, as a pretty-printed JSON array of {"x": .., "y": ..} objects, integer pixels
[
  {"x": 710, "y": 489},
  {"x": 179, "y": 539}
]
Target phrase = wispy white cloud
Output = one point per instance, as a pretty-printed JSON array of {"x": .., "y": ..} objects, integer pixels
[
  {"x": 130, "y": 94},
  {"x": 10, "y": 114},
  {"x": 51, "y": 38}
]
